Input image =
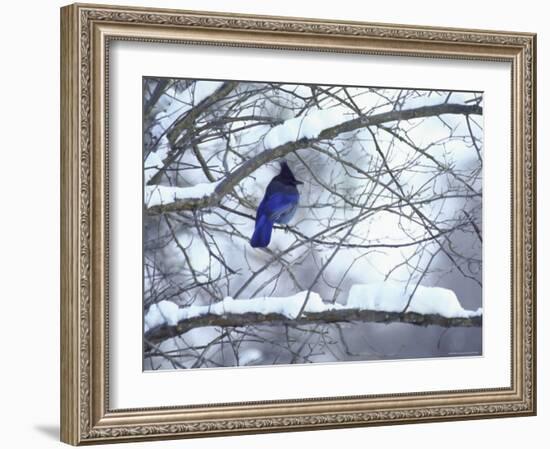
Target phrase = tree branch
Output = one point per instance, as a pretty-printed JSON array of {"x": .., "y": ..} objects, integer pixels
[
  {"x": 164, "y": 332},
  {"x": 185, "y": 121},
  {"x": 248, "y": 167}
]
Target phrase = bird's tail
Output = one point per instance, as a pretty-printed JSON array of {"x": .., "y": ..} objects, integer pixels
[{"x": 262, "y": 232}]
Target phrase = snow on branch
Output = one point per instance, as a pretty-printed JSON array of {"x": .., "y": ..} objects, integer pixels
[
  {"x": 159, "y": 195},
  {"x": 378, "y": 302},
  {"x": 203, "y": 97},
  {"x": 280, "y": 143},
  {"x": 393, "y": 297},
  {"x": 308, "y": 126}
]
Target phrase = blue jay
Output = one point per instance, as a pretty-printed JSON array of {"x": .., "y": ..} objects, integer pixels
[{"x": 278, "y": 206}]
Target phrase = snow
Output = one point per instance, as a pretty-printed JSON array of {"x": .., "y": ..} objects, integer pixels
[
  {"x": 392, "y": 297},
  {"x": 423, "y": 100},
  {"x": 250, "y": 357},
  {"x": 380, "y": 296},
  {"x": 168, "y": 109},
  {"x": 154, "y": 161},
  {"x": 158, "y": 195},
  {"x": 288, "y": 306},
  {"x": 204, "y": 89},
  {"x": 174, "y": 104},
  {"x": 193, "y": 95},
  {"x": 307, "y": 126},
  {"x": 160, "y": 313}
]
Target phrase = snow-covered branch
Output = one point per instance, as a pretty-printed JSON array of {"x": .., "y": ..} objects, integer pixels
[
  {"x": 392, "y": 192},
  {"x": 378, "y": 303},
  {"x": 278, "y": 149},
  {"x": 159, "y": 195},
  {"x": 204, "y": 101}
]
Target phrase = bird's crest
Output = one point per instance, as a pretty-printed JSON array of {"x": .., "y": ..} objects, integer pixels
[{"x": 287, "y": 174}]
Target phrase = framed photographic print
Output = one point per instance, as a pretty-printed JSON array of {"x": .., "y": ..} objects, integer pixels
[{"x": 342, "y": 211}]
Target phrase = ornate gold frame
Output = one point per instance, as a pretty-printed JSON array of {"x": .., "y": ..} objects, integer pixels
[{"x": 86, "y": 31}]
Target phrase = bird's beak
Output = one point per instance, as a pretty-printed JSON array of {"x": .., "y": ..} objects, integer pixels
[{"x": 298, "y": 182}]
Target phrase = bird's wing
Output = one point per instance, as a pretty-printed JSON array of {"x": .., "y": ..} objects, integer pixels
[{"x": 279, "y": 204}]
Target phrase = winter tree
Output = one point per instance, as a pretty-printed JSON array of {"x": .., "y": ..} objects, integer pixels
[{"x": 382, "y": 258}]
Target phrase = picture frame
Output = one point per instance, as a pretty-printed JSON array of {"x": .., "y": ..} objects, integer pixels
[{"x": 87, "y": 175}]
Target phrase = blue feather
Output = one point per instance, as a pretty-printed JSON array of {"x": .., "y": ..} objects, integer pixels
[
  {"x": 262, "y": 232},
  {"x": 278, "y": 206}
]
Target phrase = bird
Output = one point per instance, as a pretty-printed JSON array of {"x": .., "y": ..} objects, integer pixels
[{"x": 278, "y": 205}]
